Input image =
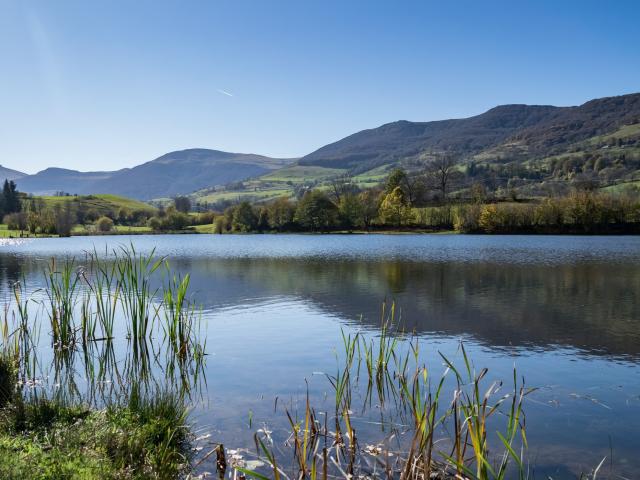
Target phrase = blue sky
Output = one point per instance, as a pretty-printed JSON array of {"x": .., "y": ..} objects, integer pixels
[{"x": 107, "y": 84}]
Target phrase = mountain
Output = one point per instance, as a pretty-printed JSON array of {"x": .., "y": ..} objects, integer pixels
[
  {"x": 174, "y": 173},
  {"x": 51, "y": 180},
  {"x": 525, "y": 147},
  {"x": 9, "y": 174},
  {"x": 539, "y": 129}
]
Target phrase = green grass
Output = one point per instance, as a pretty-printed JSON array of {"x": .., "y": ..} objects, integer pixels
[
  {"x": 621, "y": 187},
  {"x": 45, "y": 440},
  {"x": 626, "y": 131},
  {"x": 250, "y": 195},
  {"x": 117, "y": 230},
  {"x": 209, "y": 228},
  {"x": 279, "y": 183},
  {"x": 301, "y": 174},
  {"x": 6, "y": 233},
  {"x": 141, "y": 431},
  {"x": 102, "y": 203}
]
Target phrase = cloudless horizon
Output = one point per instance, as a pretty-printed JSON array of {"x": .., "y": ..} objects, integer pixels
[{"x": 112, "y": 84}]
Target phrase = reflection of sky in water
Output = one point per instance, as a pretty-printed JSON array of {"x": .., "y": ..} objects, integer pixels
[{"x": 563, "y": 309}]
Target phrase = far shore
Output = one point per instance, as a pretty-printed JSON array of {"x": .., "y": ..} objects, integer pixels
[{"x": 380, "y": 231}]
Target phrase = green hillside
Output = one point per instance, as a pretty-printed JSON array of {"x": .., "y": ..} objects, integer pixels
[
  {"x": 103, "y": 204},
  {"x": 512, "y": 150}
]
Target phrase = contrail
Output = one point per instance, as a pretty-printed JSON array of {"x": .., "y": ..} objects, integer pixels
[{"x": 225, "y": 93}]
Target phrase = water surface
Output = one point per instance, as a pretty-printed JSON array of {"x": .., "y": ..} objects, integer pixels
[{"x": 564, "y": 310}]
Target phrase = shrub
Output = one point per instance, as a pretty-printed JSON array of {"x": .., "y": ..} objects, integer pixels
[
  {"x": 154, "y": 223},
  {"x": 16, "y": 221},
  {"x": 172, "y": 220},
  {"x": 204, "y": 218},
  {"x": 8, "y": 380},
  {"x": 104, "y": 224},
  {"x": 220, "y": 224},
  {"x": 466, "y": 218}
]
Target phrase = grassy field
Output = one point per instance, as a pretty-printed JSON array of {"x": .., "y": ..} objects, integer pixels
[
  {"x": 621, "y": 187},
  {"x": 6, "y": 233},
  {"x": 117, "y": 229},
  {"x": 255, "y": 194},
  {"x": 626, "y": 131},
  {"x": 301, "y": 174},
  {"x": 282, "y": 182},
  {"x": 102, "y": 203},
  {"x": 373, "y": 177},
  {"x": 204, "y": 228}
]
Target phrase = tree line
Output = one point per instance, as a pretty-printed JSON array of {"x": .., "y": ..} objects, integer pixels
[
  {"x": 400, "y": 205},
  {"x": 439, "y": 197}
]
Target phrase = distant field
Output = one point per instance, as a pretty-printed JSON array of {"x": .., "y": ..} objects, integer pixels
[
  {"x": 621, "y": 187},
  {"x": 300, "y": 174},
  {"x": 6, "y": 233},
  {"x": 259, "y": 195},
  {"x": 281, "y": 183},
  {"x": 120, "y": 229},
  {"x": 372, "y": 177},
  {"x": 102, "y": 203},
  {"x": 626, "y": 131},
  {"x": 204, "y": 228}
]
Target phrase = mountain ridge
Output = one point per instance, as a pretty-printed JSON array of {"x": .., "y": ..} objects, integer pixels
[
  {"x": 174, "y": 173},
  {"x": 371, "y": 148},
  {"x": 511, "y": 132}
]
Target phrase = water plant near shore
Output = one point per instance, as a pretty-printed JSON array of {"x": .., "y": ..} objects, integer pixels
[
  {"x": 129, "y": 420},
  {"x": 431, "y": 426}
]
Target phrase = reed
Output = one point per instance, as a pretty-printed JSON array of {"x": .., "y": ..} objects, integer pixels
[
  {"x": 137, "y": 298},
  {"x": 62, "y": 292},
  {"x": 444, "y": 438}
]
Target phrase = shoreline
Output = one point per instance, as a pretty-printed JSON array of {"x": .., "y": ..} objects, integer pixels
[{"x": 338, "y": 232}]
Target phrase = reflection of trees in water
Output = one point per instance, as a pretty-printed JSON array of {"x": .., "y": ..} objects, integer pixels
[
  {"x": 590, "y": 306},
  {"x": 11, "y": 268},
  {"x": 586, "y": 305}
]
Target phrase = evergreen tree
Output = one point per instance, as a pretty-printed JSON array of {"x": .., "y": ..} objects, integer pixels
[{"x": 10, "y": 202}]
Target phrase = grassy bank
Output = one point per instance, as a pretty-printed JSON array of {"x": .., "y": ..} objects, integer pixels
[
  {"x": 129, "y": 420},
  {"x": 45, "y": 439}
]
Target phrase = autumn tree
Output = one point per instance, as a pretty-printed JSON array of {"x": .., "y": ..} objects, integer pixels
[{"x": 394, "y": 209}]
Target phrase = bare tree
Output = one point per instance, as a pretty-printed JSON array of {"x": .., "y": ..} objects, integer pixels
[
  {"x": 414, "y": 188},
  {"x": 441, "y": 172},
  {"x": 342, "y": 185}
]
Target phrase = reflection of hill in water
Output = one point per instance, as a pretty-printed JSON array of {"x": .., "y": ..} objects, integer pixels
[
  {"x": 590, "y": 306},
  {"x": 593, "y": 307}
]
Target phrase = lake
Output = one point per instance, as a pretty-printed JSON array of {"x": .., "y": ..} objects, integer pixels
[{"x": 564, "y": 310}]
